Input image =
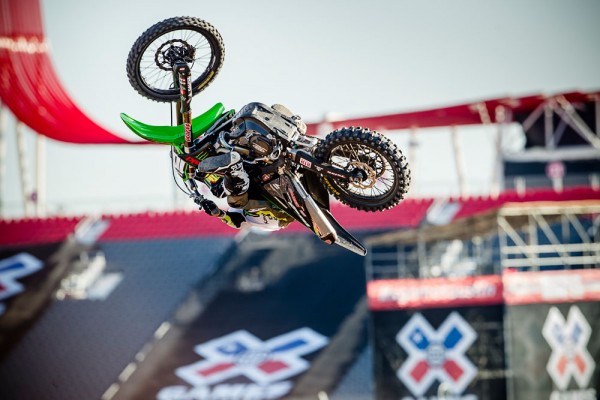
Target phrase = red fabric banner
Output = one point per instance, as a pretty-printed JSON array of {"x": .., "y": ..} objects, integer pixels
[
  {"x": 474, "y": 113},
  {"x": 29, "y": 85}
]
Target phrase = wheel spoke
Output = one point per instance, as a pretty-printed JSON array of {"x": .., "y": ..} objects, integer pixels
[
  {"x": 349, "y": 156},
  {"x": 156, "y": 78}
]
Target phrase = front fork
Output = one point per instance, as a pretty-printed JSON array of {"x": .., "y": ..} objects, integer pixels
[
  {"x": 182, "y": 78},
  {"x": 181, "y": 72}
]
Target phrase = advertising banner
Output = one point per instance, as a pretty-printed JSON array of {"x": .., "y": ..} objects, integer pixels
[
  {"x": 438, "y": 338},
  {"x": 554, "y": 334},
  {"x": 394, "y": 294},
  {"x": 551, "y": 286}
]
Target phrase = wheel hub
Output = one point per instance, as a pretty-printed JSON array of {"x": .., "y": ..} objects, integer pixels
[
  {"x": 366, "y": 176},
  {"x": 172, "y": 51}
]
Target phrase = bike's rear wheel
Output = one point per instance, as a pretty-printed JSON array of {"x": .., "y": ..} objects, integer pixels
[
  {"x": 386, "y": 176},
  {"x": 150, "y": 60}
]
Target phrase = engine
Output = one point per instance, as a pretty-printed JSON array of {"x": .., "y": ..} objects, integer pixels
[
  {"x": 261, "y": 132},
  {"x": 259, "y": 145}
]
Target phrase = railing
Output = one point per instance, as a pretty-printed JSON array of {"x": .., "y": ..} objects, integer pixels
[{"x": 561, "y": 235}]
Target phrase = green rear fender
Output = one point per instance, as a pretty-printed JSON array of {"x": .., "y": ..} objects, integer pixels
[{"x": 174, "y": 135}]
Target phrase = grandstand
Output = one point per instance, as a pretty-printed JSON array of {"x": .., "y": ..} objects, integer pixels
[
  {"x": 178, "y": 287},
  {"x": 464, "y": 297}
]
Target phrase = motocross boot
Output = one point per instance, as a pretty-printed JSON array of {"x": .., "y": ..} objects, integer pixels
[{"x": 236, "y": 181}]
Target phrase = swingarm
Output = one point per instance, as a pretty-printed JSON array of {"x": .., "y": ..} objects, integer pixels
[{"x": 307, "y": 161}]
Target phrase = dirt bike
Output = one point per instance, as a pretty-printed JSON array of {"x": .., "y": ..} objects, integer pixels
[{"x": 179, "y": 57}]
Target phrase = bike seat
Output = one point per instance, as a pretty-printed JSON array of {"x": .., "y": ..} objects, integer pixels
[{"x": 174, "y": 135}]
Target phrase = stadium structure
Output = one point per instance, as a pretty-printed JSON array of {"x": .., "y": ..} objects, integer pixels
[{"x": 467, "y": 297}]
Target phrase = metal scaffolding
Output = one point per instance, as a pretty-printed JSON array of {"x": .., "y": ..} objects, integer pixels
[
  {"x": 550, "y": 236},
  {"x": 521, "y": 236},
  {"x": 556, "y": 114}
]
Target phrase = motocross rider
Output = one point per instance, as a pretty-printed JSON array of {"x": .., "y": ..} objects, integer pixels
[
  {"x": 235, "y": 185},
  {"x": 244, "y": 212}
]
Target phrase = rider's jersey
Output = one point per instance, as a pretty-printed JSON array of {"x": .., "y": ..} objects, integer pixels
[
  {"x": 257, "y": 214},
  {"x": 263, "y": 219}
]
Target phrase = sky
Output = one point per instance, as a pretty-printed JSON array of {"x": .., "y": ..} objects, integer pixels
[{"x": 345, "y": 58}]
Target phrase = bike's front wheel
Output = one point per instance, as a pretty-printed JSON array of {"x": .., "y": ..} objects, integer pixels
[
  {"x": 151, "y": 59},
  {"x": 384, "y": 172}
]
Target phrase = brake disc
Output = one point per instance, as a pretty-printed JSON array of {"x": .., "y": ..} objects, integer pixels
[{"x": 371, "y": 178}]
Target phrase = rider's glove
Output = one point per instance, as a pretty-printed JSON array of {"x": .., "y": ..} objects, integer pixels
[{"x": 211, "y": 208}]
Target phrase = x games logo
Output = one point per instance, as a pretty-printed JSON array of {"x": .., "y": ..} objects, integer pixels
[
  {"x": 568, "y": 339},
  {"x": 13, "y": 268},
  {"x": 436, "y": 354},
  {"x": 243, "y": 354}
]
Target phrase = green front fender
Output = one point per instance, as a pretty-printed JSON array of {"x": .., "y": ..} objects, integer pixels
[{"x": 174, "y": 135}]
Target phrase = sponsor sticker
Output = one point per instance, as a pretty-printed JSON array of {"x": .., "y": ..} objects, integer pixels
[
  {"x": 306, "y": 163},
  {"x": 333, "y": 173},
  {"x": 188, "y": 132},
  {"x": 191, "y": 160}
]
